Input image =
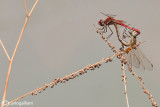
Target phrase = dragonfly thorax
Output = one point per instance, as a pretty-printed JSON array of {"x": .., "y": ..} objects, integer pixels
[{"x": 109, "y": 21}]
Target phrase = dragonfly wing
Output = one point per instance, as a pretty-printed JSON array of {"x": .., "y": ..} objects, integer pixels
[
  {"x": 135, "y": 59},
  {"x": 120, "y": 22},
  {"x": 109, "y": 15},
  {"x": 129, "y": 58},
  {"x": 146, "y": 63},
  {"x": 138, "y": 55}
]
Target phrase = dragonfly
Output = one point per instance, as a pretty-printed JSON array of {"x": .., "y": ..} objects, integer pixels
[
  {"x": 110, "y": 20},
  {"x": 134, "y": 55}
]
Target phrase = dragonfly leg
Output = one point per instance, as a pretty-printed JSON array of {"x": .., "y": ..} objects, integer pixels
[
  {"x": 124, "y": 32},
  {"x": 103, "y": 29},
  {"x": 111, "y": 32},
  {"x": 122, "y": 48}
]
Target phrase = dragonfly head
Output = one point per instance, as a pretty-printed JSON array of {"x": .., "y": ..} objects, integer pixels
[{"x": 101, "y": 22}]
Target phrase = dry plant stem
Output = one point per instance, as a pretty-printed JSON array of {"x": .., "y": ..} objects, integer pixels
[
  {"x": 123, "y": 59},
  {"x": 26, "y": 7},
  {"x": 67, "y": 77},
  {"x": 10, "y": 64},
  {"x": 15, "y": 50},
  {"x": 33, "y": 8},
  {"x": 125, "y": 83},
  {"x": 114, "y": 50},
  {"x": 5, "y": 50},
  {"x": 145, "y": 90}
]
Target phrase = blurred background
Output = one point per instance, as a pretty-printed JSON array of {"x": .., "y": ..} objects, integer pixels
[{"x": 60, "y": 39}]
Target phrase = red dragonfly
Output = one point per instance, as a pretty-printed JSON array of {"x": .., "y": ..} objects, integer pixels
[{"x": 111, "y": 21}]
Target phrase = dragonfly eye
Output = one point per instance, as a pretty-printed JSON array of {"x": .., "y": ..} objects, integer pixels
[{"x": 101, "y": 23}]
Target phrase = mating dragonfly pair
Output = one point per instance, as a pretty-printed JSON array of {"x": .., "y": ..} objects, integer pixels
[{"x": 134, "y": 56}]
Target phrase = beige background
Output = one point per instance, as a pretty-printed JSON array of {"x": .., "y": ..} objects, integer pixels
[{"x": 60, "y": 39}]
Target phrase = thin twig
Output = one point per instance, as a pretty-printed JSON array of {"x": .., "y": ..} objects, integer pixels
[
  {"x": 26, "y": 7},
  {"x": 5, "y": 50},
  {"x": 15, "y": 50},
  {"x": 67, "y": 77},
  {"x": 145, "y": 90},
  {"x": 33, "y": 7},
  {"x": 125, "y": 83}
]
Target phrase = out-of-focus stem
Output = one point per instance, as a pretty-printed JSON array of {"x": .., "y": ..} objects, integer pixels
[
  {"x": 5, "y": 50},
  {"x": 15, "y": 50}
]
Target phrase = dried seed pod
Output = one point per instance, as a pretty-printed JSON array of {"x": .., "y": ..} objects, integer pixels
[
  {"x": 46, "y": 85},
  {"x": 44, "y": 88},
  {"x": 52, "y": 85}
]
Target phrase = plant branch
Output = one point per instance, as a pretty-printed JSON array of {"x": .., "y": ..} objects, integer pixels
[
  {"x": 90, "y": 67},
  {"x": 33, "y": 7},
  {"x": 5, "y": 50},
  {"x": 145, "y": 90},
  {"x": 26, "y": 7},
  {"x": 124, "y": 79},
  {"x": 15, "y": 50}
]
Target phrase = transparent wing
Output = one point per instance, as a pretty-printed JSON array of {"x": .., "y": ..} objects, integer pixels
[
  {"x": 137, "y": 59},
  {"x": 133, "y": 59},
  {"x": 142, "y": 66},
  {"x": 145, "y": 62},
  {"x": 109, "y": 15}
]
